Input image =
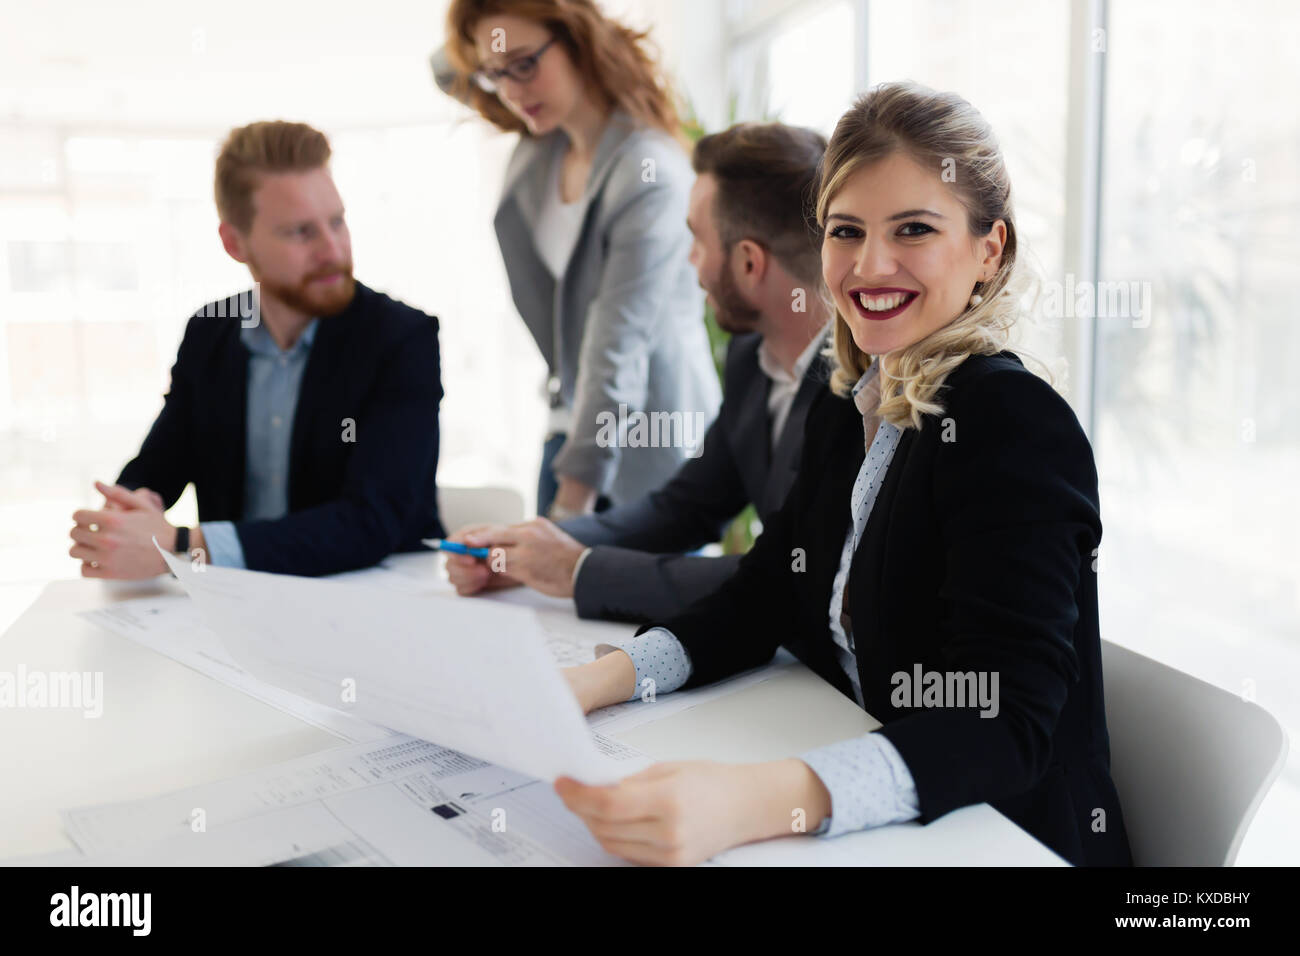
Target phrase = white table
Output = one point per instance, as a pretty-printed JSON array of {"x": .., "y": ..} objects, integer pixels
[{"x": 165, "y": 727}]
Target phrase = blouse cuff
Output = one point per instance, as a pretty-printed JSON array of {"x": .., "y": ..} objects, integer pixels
[
  {"x": 662, "y": 664},
  {"x": 869, "y": 784}
]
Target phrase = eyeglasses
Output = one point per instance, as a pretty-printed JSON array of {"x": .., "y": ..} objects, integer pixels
[{"x": 521, "y": 70}]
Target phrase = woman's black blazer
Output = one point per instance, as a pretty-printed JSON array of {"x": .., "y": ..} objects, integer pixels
[{"x": 979, "y": 556}]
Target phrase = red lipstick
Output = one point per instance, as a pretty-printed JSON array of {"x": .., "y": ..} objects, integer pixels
[{"x": 909, "y": 296}]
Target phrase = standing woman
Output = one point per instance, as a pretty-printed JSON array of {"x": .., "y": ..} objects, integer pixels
[
  {"x": 592, "y": 228},
  {"x": 934, "y": 559}
]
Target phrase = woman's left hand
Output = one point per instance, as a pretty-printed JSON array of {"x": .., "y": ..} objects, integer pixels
[
  {"x": 670, "y": 814},
  {"x": 684, "y": 812}
]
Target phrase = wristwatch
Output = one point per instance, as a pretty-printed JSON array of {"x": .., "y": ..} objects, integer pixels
[{"x": 182, "y": 541}]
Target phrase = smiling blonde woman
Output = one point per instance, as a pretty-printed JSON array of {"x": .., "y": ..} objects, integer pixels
[{"x": 941, "y": 532}]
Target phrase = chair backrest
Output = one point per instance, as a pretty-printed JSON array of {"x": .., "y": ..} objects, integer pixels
[
  {"x": 1191, "y": 762},
  {"x": 458, "y": 507}
]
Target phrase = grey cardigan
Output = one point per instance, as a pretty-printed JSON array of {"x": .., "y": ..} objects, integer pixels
[{"x": 624, "y": 325}]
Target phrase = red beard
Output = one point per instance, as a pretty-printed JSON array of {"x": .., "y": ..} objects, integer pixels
[{"x": 313, "y": 298}]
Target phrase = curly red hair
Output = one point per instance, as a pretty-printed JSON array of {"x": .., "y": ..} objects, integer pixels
[{"x": 616, "y": 61}]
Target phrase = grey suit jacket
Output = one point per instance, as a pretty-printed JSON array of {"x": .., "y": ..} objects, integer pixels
[
  {"x": 623, "y": 328},
  {"x": 621, "y": 578}
]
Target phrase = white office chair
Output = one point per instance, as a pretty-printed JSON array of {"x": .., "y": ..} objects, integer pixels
[
  {"x": 1191, "y": 762},
  {"x": 458, "y": 507}
]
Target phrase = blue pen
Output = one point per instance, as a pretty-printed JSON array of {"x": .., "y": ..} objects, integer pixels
[{"x": 439, "y": 545}]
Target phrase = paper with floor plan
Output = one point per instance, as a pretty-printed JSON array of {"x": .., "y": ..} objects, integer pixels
[
  {"x": 469, "y": 675},
  {"x": 401, "y": 802},
  {"x": 170, "y": 624}
]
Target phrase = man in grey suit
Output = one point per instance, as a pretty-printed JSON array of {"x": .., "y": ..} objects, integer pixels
[{"x": 757, "y": 255}]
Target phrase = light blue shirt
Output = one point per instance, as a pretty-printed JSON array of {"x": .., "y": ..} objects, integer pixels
[
  {"x": 867, "y": 778},
  {"x": 274, "y": 379}
]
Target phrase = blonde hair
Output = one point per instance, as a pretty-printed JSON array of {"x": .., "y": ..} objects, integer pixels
[
  {"x": 943, "y": 132},
  {"x": 615, "y": 61},
  {"x": 273, "y": 146}
]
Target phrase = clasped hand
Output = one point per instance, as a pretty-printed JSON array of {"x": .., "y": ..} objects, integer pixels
[{"x": 117, "y": 541}]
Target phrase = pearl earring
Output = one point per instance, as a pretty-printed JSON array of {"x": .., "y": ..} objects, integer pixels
[{"x": 976, "y": 300}]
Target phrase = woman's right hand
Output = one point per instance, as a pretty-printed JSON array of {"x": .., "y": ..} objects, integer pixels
[
  {"x": 572, "y": 498},
  {"x": 473, "y": 575}
]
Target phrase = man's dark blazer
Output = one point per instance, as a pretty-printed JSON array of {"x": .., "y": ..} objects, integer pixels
[
  {"x": 635, "y": 570},
  {"x": 977, "y": 557},
  {"x": 351, "y": 502}
]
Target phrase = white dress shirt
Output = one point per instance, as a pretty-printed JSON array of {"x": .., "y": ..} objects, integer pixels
[
  {"x": 558, "y": 227},
  {"x": 785, "y": 385}
]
